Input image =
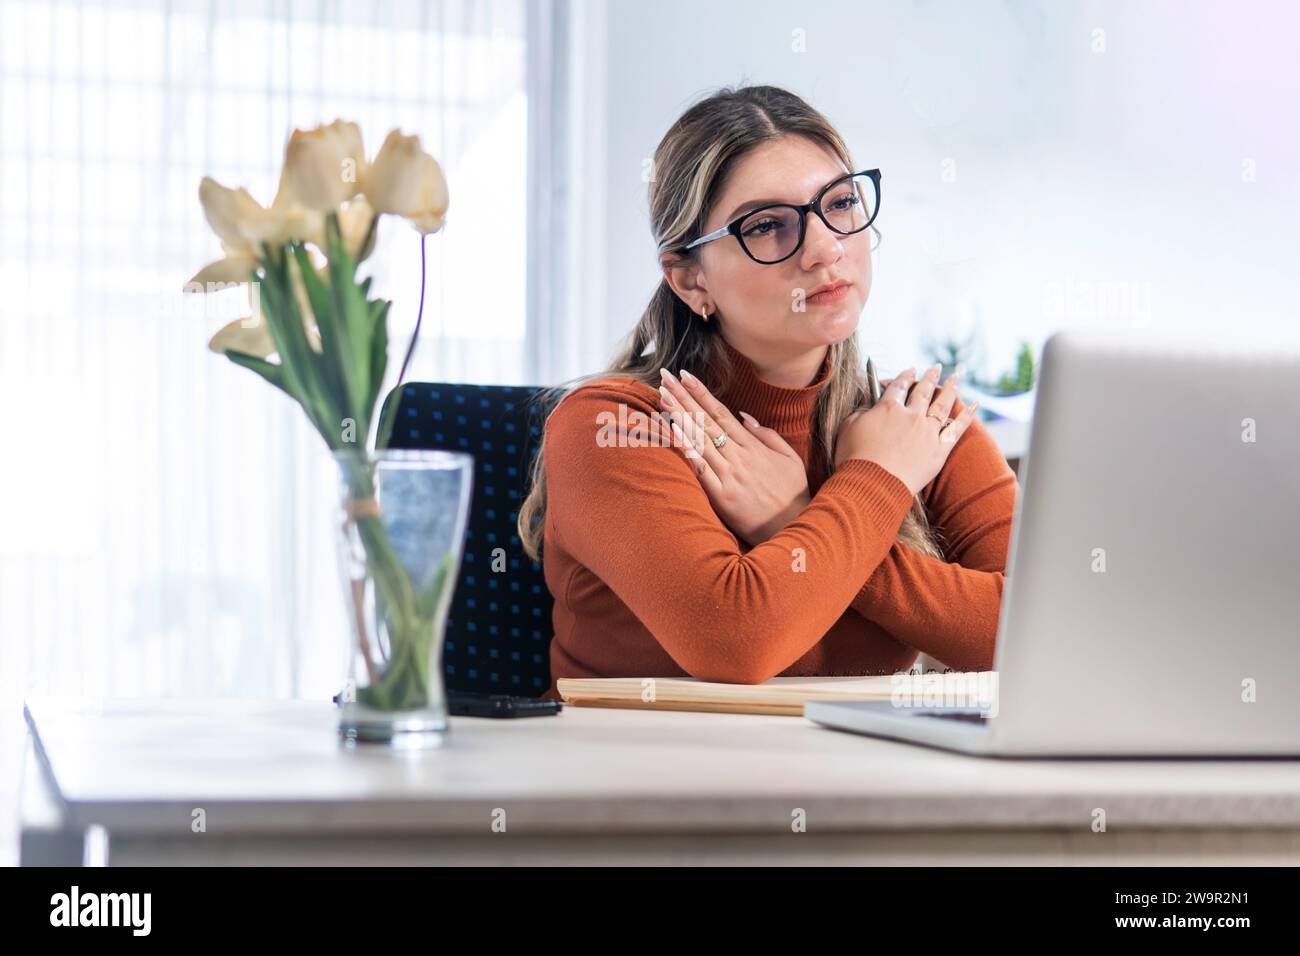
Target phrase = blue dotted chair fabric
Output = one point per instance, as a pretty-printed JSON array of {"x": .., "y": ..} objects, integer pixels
[{"x": 499, "y": 627}]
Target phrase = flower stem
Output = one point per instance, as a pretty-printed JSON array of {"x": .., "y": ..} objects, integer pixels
[{"x": 383, "y": 439}]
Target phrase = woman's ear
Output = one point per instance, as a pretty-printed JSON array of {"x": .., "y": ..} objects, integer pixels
[{"x": 682, "y": 273}]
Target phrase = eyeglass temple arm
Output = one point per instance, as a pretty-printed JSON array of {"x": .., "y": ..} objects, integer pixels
[{"x": 716, "y": 234}]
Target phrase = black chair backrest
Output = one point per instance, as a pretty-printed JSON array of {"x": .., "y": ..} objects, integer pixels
[{"x": 499, "y": 626}]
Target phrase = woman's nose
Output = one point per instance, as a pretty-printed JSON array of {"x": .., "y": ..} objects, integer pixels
[{"x": 820, "y": 244}]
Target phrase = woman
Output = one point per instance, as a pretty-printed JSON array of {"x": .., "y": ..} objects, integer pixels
[{"x": 780, "y": 523}]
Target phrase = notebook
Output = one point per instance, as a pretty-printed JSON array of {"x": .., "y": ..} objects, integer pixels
[{"x": 782, "y": 696}]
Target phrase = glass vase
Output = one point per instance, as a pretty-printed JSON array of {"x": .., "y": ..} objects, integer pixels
[{"x": 401, "y": 535}]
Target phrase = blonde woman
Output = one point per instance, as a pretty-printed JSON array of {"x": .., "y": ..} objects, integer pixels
[{"x": 726, "y": 502}]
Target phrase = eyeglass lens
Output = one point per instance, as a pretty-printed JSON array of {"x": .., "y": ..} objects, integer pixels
[{"x": 771, "y": 234}]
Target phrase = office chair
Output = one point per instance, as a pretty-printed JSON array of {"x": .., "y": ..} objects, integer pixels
[{"x": 499, "y": 629}]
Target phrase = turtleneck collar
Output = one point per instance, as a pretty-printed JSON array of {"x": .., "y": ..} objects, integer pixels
[{"x": 788, "y": 410}]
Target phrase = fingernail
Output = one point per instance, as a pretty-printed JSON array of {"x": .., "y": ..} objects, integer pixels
[
  {"x": 665, "y": 374},
  {"x": 687, "y": 377},
  {"x": 750, "y": 420},
  {"x": 667, "y": 396}
]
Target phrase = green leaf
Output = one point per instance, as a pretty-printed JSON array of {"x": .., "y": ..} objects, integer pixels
[
  {"x": 271, "y": 313},
  {"x": 318, "y": 294},
  {"x": 302, "y": 366},
  {"x": 378, "y": 349},
  {"x": 371, "y": 697},
  {"x": 354, "y": 319},
  {"x": 272, "y": 373},
  {"x": 431, "y": 597},
  {"x": 337, "y": 363},
  {"x": 388, "y": 418},
  {"x": 1025, "y": 367},
  {"x": 390, "y": 576}
]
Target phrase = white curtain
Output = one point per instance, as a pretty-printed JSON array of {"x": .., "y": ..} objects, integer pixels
[{"x": 166, "y": 522}]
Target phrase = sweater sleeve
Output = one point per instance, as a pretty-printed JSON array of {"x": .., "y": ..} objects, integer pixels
[
  {"x": 949, "y": 608},
  {"x": 624, "y": 501}
]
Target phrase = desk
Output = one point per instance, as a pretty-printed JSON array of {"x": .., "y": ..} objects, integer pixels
[{"x": 597, "y": 786}]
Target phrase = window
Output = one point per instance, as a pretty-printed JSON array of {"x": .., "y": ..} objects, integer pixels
[{"x": 168, "y": 522}]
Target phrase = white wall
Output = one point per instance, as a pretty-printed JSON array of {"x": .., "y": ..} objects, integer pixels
[{"x": 1088, "y": 186}]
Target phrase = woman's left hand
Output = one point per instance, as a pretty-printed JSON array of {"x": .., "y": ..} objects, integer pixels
[{"x": 756, "y": 482}]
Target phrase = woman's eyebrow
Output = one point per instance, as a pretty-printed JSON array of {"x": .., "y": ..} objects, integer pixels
[{"x": 745, "y": 207}]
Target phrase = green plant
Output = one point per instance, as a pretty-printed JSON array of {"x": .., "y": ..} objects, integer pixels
[
  {"x": 1022, "y": 378},
  {"x": 951, "y": 352},
  {"x": 317, "y": 335}
]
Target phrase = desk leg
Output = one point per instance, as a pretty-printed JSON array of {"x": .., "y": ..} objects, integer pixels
[{"x": 44, "y": 837}]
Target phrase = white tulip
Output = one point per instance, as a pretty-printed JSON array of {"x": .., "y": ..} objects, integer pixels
[
  {"x": 355, "y": 226},
  {"x": 248, "y": 335},
  {"x": 237, "y": 219},
  {"x": 236, "y": 266},
  {"x": 235, "y": 216},
  {"x": 252, "y": 336},
  {"x": 324, "y": 166},
  {"x": 407, "y": 181},
  {"x": 243, "y": 225},
  {"x": 290, "y": 219}
]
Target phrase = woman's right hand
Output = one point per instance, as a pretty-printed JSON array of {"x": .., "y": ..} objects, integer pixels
[{"x": 899, "y": 433}]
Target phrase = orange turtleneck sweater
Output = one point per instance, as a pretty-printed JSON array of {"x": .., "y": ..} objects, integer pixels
[{"x": 649, "y": 582}]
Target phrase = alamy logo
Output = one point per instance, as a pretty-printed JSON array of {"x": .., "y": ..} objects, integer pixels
[{"x": 102, "y": 909}]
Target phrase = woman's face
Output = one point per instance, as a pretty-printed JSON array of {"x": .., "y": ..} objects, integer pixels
[{"x": 771, "y": 307}]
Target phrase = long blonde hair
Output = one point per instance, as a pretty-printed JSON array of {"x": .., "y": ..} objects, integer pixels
[{"x": 691, "y": 164}]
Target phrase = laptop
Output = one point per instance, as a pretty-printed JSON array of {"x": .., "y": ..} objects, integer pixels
[{"x": 1152, "y": 597}]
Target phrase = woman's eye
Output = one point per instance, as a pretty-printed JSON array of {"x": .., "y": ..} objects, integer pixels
[
  {"x": 845, "y": 203},
  {"x": 763, "y": 227}
]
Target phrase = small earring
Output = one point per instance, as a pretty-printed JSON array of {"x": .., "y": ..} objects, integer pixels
[{"x": 705, "y": 315}]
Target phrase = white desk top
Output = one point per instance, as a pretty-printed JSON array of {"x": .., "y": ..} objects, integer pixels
[{"x": 142, "y": 766}]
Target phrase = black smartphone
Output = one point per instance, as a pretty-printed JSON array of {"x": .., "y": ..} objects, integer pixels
[
  {"x": 470, "y": 704},
  {"x": 467, "y": 704}
]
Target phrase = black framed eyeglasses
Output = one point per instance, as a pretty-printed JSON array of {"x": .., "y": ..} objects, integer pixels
[{"x": 772, "y": 234}]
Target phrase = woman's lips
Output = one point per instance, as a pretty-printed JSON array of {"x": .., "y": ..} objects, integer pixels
[{"x": 832, "y": 295}]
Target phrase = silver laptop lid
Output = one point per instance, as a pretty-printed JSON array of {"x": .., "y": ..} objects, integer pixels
[{"x": 1153, "y": 589}]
